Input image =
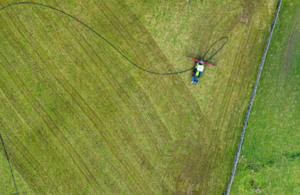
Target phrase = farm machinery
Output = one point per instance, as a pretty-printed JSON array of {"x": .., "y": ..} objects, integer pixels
[{"x": 198, "y": 69}]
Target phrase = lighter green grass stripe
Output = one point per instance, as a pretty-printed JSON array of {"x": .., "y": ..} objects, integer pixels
[{"x": 252, "y": 98}]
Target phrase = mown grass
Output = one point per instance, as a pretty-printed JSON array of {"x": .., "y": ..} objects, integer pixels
[
  {"x": 7, "y": 185},
  {"x": 271, "y": 147},
  {"x": 77, "y": 118}
]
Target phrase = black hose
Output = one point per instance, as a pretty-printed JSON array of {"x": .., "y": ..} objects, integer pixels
[
  {"x": 9, "y": 163},
  {"x": 216, "y": 51},
  {"x": 22, "y": 3},
  {"x": 113, "y": 45}
]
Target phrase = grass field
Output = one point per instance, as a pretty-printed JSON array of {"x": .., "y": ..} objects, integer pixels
[
  {"x": 77, "y": 118},
  {"x": 271, "y": 147}
]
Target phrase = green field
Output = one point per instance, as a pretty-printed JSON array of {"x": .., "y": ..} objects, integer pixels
[
  {"x": 77, "y": 118},
  {"x": 271, "y": 146}
]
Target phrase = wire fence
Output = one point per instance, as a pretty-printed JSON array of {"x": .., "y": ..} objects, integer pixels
[{"x": 252, "y": 98}]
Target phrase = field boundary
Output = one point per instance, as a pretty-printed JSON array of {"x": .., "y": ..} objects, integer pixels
[{"x": 252, "y": 98}]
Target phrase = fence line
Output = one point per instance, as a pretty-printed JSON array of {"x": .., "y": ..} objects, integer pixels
[{"x": 252, "y": 97}]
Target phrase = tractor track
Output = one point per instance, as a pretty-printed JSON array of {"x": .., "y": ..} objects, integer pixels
[
  {"x": 61, "y": 84},
  {"x": 182, "y": 108},
  {"x": 136, "y": 109},
  {"x": 200, "y": 164},
  {"x": 196, "y": 155},
  {"x": 239, "y": 85},
  {"x": 81, "y": 108},
  {"x": 62, "y": 81},
  {"x": 129, "y": 34}
]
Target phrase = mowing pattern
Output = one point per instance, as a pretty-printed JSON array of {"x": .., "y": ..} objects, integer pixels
[
  {"x": 94, "y": 121},
  {"x": 80, "y": 119},
  {"x": 224, "y": 93}
]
